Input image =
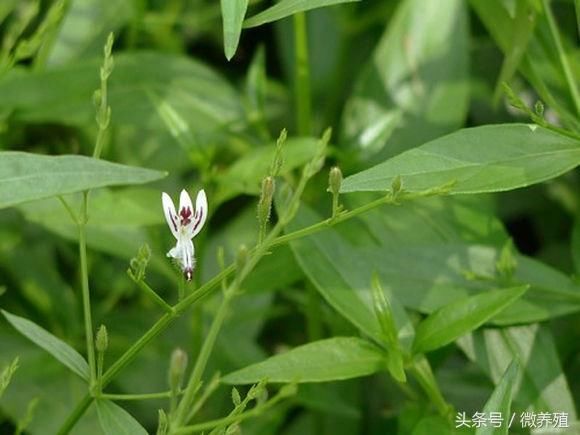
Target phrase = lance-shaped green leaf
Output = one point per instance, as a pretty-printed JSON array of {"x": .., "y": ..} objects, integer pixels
[
  {"x": 27, "y": 177},
  {"x": 500, "y": 401},
  {"x": 320, "y": 361},
  {"x": 490, "y": 158},
  {"x": 285, "y": 8},
  {"x": 53, "y": 345},
  {"x": 458, "y": 318},
  {"x": 116, "y": 421},
  {"x": 233, "y": 12}
]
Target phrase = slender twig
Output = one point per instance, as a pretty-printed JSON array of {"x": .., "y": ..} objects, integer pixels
[{"x": 86, "y": 297}]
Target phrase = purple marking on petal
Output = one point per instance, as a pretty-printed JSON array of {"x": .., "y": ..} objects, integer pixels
[
  {"x": 197, "y": 219},
  {"x": 188, "y": 273},
  {"x": 173, "y": 221},
  {"x": 185, "y": 214}
]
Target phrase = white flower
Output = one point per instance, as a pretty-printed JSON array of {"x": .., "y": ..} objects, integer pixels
[{"x": 184, "y": 227}]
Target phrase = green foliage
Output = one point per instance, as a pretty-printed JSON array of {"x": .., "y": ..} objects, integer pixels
[
  {"x": 320, "y": 361},
  {"x": 53, "y": 345},
  {"x": 115, "y": 420},
  {"x": 498, "y": 158},
  {"x": 27, "y": 177},
  {"x": 420, "y": 266}
]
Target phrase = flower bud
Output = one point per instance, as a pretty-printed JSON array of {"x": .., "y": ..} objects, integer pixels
[
  {"x": 241, "y": 257},
  {"x": 177, "y": 368},
  {"x": 102, "y": 340},
  {"x": 265, "y": 204},
  {"x": 334, "y": 180}
]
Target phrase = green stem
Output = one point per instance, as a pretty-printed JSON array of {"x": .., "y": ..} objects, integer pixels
[
  {"x": 230, "y": 418},
  {"x": 302, "y": 75},
  {"x": 211, "y": 387},
  {"x": 201, "y": 362},
  {"x": 154, "y": 296},
  {"x": 572, "y": 84},
  {"x": 86, "y": 296},
  {"x": 425, "y": 377},
  {"x": 144, "y": 396}
]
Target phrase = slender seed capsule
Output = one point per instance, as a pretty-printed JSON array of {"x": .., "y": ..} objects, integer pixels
[{"x": 265, "y": 204}]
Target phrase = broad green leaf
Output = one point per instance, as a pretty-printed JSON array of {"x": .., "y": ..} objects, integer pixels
[
  {"x": 458, "y": 318},
  {"x": 27, "y": 177},
  {"x": 415, "y": 86},
  {"x": 490, "y": 158},
  {"x": 201, "y": 97},
  {"x": 246, "y": 174},
  {"x": 544, "y": 386},
  {"x": 116, "y": 421},
  {"x": 423, "y": 277},
  {"x": 233, "y": 12},
  {"x": 320, "y": 361},
  {"x": 85, "y": 27},
  {"x": 53, "y": 345},
  {"x": 285, "y": 8},
  {"x": 500, "y": 401}
]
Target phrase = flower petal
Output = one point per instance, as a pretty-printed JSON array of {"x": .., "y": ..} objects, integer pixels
[
  {"x": 200, "y": 213},
  {"x": 185, "y": 209},
  {"x": 170, "y": 214}
]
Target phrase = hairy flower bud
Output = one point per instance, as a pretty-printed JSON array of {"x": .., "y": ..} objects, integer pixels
[
  {"x": 265, "y": 203},
  {"x": 102, "y": 340},
  {"x": 177, "y": 368}
]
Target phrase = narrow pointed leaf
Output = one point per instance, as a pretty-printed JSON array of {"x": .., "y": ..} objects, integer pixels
[
  {"x": 116, "y": 421},
  {"x": 500, "y": 401},
  {"x": 490, "y": 158},
  {"x": 28, "y": 177},
  {"x": 53, "y": 345},
  {"x": 285, "y": 8},
  {"x": 458, "y": 318},
  {"x": 233, "y": 12},
  {"x": 320, "y": 361}
]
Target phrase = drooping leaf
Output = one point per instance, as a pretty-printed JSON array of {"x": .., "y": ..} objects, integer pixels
[
  {"x": 53, "y": 345},
  {"x": 233, "y": 13},
  {"x": 27, "y": 177},
  {"x": 544, "y": 386},
  {"x": 500, "y": 401},
  {"x": 285, "y": 8},
  {"x": 415, "y": 86},
  {"x": 116, "y": 421},
  {"x": 319, "y": 361},
  {"x": 458, "y": 318},
  {"x": 490, "y": 158}
]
